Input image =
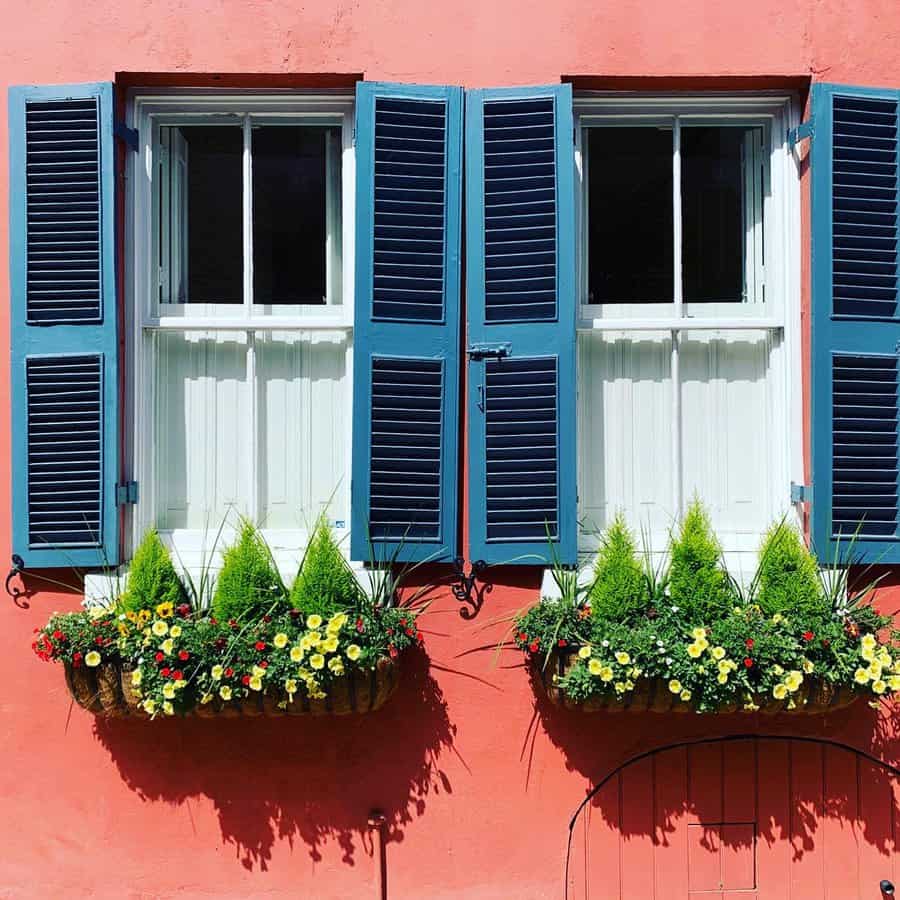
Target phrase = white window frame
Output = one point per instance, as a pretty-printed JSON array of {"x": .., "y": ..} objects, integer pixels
[
  {"x": 145, "y": 111},
  {"x": 780, "y": 313}
]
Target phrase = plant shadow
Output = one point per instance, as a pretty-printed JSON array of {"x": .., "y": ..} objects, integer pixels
[{"x": 313, "y": 780}]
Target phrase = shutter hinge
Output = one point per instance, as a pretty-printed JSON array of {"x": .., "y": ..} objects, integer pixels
[
  {"x": 801, "y": 132},
  {"x": 129, "y": 135},
  {"x": 492, "y": 351},
  {"x": 126, "y": 493},
  {"x": 801, "y": 493}
]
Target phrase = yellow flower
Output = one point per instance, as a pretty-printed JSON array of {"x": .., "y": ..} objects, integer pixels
[
  {"x": 159, "y": 628},
  {"x": 622, "y": 658},
  {"x": 225, "y": 692},
  {"x": 290, "y": 685},
  {"x": 256, "y": 683},
  {"x": 594, "y": 666},
  {"x": 675, "y": 686},
  {"x": 868, "y": 642},
  {"x": 861, "y": 676},
  {"x": 353, "y": 652},
  {"x": 314, "y": 621},
  {"x": 175, "y": 631},
  {"x": 778, "y": 670},
  {"x": 584, "y": 652},
  {"x": 718, "y": 652},
  {"x": 336, "y": 623},
  {"x": 180, "y": 685},
  {"x": 169, "y": 690},
  {"x": 685, "y": 695},
  {"x": 136, "y": 677},
  {"x": 874, "y": 669},
  {"x": 296, "y": 654},
  {"x": 778, "y": 617},
  {"x": 319, "y": 695},
  {"x": 123, "y": 628},
  {"x": 884, "y": 657},
  {"x": 143, "y": 617},
  {"x": 330, "y": 644},
  {"x": 165, "y": 610},
  {"x": 896, "y": 666},
  {"x": 808, "y": 667},
  {"x": 725, "y": 666},
  {"x": 702, "y": 643},
  {"x": 894, "y": 682},
  {"x": 315, "y": 638},
  {"x": 336, "y": 665},
  {"x": 629, "y": 685},
  {"x": 92, "y": 659},
  {"x": 620, "y": 687},
  {"x": 317, "y": 661},
  {"x": 606, "y": 674},
  {"x": 280, "y": 640},
  {"x": 216, "y": 672},
  {"x": 305, "y": 643},
  {"x": 751, "y": 706},
  {"x": 698, "y": 633},
  {"x": 694, "y": 651},
  {"x": 258, "y": 672},
  {"x": 867, "y": 653},
  {"x": 779, "y": 692},
  {"x": 167, "y": 646},
  {"x": 206, "y": 698},
  {"x": 722, "y": 677},
  {"x": 879, "y": 687},
  {"x": 149, "y": 706},
  {"x": 168, "y": 709},
  {"x": 97, "y": 612},
  {"x": 793, "y": 680}
]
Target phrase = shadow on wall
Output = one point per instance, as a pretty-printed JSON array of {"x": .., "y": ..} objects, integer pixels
[{"x": 389, "y": 760}]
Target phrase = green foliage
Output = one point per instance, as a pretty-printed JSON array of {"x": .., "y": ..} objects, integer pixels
[
  {"x": 152, "y": 578},
  {"x": 325, "y": 583},
  {"x": 248, "y": 585},
  {"x": 698, "y": 584},
  {"x": 788, "y": 576},
  {"x": 619, "y": 591}
]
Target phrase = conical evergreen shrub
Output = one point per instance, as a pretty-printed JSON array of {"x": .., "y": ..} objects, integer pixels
[
  {"x": 788, "y": 576},
  {"x": 152, "y": 578},
  {"x": 619, "y": 592},
  {"x": 325, "y": 582}
]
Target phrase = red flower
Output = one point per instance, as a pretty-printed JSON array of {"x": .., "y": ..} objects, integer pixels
[
  {"x": 213, "y": 620},
  {"x": 561, "y": 642},
  {"x": 826, "y": 643},
  {"x": 264, "y": 664},
  {"x": 748, "y": 662},
  {"x": 359, "y": 625},
  {"x": 267, "y": 618},
  {"x": 98, "y": 641},
  {"x": 245, "y": 679},
  {"x": 232, "y": 623},
  {"x": 522, "y": 637},
  {"x": 260, "y": 645},
  {"x": 294, "y": 613},
  {"x": 183, "y": 654},
  {"x": 178, "y": 675},
  {"x": 160, "y": 657},
  {"x": 534, "y": 645},
  {"x": 749, "y": 643},
  {"x": 392, "y": 650},
  {"x": 229, "y": 672},
  {"x": 183, "y": 610},
  {"x": 410, "y": 632},
  {"x": 58, "y": 635},
  {"x": 219, "y": 644},
  {"x": 420, "y": 637},
  {"x": 403, "y": 621},
  {"x": 852, "y": 629},
  {"x": 390, "y": 631},
  {"x": 76, "y": 661},
  {"x": 165, "y": 671},
  {"x": 808, "y": 635},
  {"x": 76, "y": 656}
]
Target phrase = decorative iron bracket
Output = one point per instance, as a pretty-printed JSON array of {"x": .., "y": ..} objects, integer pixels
[
  {"x": 465, "y": 590},
  {"x": 18, "y": 566}
]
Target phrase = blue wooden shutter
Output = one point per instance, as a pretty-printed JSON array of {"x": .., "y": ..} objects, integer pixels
[
  {"x": 855, "y": 321},
  {"x": 406, "y": 335},
  {"x": 63, "y": 325},
  {"x": 520, "y": 291}
]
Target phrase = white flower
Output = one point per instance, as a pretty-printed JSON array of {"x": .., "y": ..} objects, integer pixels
[
  {"x": 660, "y": 644},
  {"x": 605, "y": 643},
  {"x": 669, "y": 660},
  {"x": 674, "y": 609}
]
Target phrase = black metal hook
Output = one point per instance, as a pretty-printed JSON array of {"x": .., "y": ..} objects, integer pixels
[
  {"x": 466, "y": 591},
  {"x": 18, "y": 566}
]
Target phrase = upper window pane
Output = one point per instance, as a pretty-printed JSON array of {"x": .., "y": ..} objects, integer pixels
[
  {"x": 290, "y": 213},
  {"x": 630, "y": 215},
  {"x": 200, "y": 214}
]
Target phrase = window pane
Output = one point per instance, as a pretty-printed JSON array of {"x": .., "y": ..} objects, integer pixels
[
  {"x": 302, "y": 404},
  {"x": 200, "y": 201},
  {"x": 630, "y": 215},
  {"x": 289, "y": 214},
  {"x": 202, "y": 442},
  {"x": 721, "y": 187}
]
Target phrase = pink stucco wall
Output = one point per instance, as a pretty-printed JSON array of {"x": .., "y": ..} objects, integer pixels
[{"x": 477, "y": 790}]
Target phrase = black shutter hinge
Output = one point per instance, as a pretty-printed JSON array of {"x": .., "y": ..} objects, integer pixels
[
  {"x": 126, "y": 493},
  {"x": 129, "y": 135},
  {"x": 801, "y": 493},
  {"x": 800, "y": 133}
]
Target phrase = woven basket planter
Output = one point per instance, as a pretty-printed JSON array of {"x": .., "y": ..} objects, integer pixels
[
  {"x": 813, "y": 698},
  {"x": 107, "y": 691}
]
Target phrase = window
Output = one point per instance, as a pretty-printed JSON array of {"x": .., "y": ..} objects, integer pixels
[
  {"x": 685, "y": 342},
  {"x": 242, "y": 314}
]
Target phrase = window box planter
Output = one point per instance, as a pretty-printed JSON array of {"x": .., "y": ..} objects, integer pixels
[{"x": 814, "y": 697}]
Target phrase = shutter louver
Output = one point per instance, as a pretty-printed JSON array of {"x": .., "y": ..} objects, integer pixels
[
  {"x": 520, "y": 210},
  {"x": 406, "y": 335},
  {"x": 64, "y": 326},
  {"x": 855, "y": 328}
]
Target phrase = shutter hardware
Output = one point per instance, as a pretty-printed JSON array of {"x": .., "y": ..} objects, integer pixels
[
  {"x": 801, "y": 493},
  {"x": 129, "y": 135},
  {"x": 801, "y": 132},
  {"x": 489, "y": 351},
  {"x": 126, "y": 493}
]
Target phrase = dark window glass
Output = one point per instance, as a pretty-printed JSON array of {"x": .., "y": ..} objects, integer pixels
[
  {"x": 213, "y": 192},
  {"x": 630, "y": 224},
  {"x": 712, "y": 203},
  {"x": 289, "y": 214}
]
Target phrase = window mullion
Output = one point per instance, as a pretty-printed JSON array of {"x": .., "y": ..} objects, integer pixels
[
  {"x": 254, "y": 398},
  {"x": 678, "y": 298},
  {"x": 247, "y": 210}
]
